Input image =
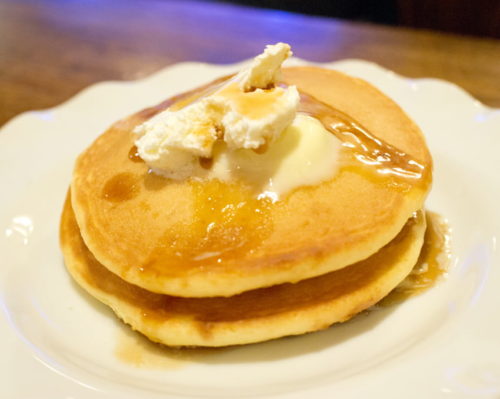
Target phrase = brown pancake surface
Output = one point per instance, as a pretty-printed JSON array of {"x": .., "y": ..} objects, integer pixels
[
  {"x": 198, "y": 239},
  {"x": 253, "y": 316}
]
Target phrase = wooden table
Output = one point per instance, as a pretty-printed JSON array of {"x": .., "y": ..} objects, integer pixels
[{"x": 50, "y": 49}]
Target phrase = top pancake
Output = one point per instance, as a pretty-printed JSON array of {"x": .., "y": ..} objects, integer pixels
[{"x": 196, "y": 239}]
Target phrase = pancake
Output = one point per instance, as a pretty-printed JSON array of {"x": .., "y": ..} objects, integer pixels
[
  {"x": 201, "y": 239},
  {"x": 253, "y": 316}
]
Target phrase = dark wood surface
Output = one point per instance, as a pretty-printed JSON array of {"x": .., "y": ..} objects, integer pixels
[{"x": 50, "y": 50}]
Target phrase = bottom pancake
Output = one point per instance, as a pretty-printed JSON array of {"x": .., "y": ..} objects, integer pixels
[{"x": 253, "y": 316}]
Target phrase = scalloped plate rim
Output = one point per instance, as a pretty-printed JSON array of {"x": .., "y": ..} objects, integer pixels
[{"x": 457, "y": 93}]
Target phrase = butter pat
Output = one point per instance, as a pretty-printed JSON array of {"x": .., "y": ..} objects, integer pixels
[
  {"x": 305, "y": 154},
  {"x": 246, "y": 113}
]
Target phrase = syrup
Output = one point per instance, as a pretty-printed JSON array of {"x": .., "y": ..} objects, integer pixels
[
  {"x": 133, "y": 155},
  {"x": 136, "y": 350},
  {"x": 432, "y": 263},
  {"x": 228, "y": 222},
  {"x": 206, "y": 163},
  {"x": 121, "y": 187},
  {"x": 367, "y": 153}
]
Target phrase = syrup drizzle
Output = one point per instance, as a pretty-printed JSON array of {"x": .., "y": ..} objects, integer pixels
[
  {"x": 227, "y": 224},
  {"x": 398, "y": 168},
  {"x": 367, "y": 149},
  {"x": 133, "y": 154},
  {"x": 432, "y": 264},
  {"x": 220, "y": 233},
  {"x": 121, "y": 187}
]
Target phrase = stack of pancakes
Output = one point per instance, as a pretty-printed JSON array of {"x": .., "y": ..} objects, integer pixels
[{"x": 209, "y": 263}]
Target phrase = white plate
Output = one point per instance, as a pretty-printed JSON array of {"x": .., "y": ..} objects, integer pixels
[{"x": 57, "y": 342}]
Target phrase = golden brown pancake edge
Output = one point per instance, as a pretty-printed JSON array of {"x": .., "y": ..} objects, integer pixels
[
  {"x": 254, "y": 316},
  {"x": 124, "y": 236}
]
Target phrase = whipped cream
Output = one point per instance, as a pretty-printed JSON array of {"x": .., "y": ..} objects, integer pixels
[
  {"x": 265, "y": 68},
  {"x": 247, "y": 112},
  {"x": 257, "y": 118},
  {"x": 172, "y": 142}
]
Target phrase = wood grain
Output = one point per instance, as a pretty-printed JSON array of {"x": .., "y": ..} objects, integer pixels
[{"x": 50, "y": 50}]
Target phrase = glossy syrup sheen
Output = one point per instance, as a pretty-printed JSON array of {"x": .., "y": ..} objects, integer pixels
[
  {"x": 253, "y": 304},
  {"x": 133, "y": 154},
  {"x": 367, "y": 154},
  {"x": 133, "y": 349},
  {"x": 432, "y": 264},
  {"x": 229, "y": 221},
  {"x": 121, "y": 187}
]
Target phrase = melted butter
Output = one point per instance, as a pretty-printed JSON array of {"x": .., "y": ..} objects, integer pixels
[
  {"x": 305, "y": 147},
  {"x": 432, "y": 263}
]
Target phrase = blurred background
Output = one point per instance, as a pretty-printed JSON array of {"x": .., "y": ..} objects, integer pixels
[
  {"x": 51, "y": 49},
  {"x": 469, "y": 17}
]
